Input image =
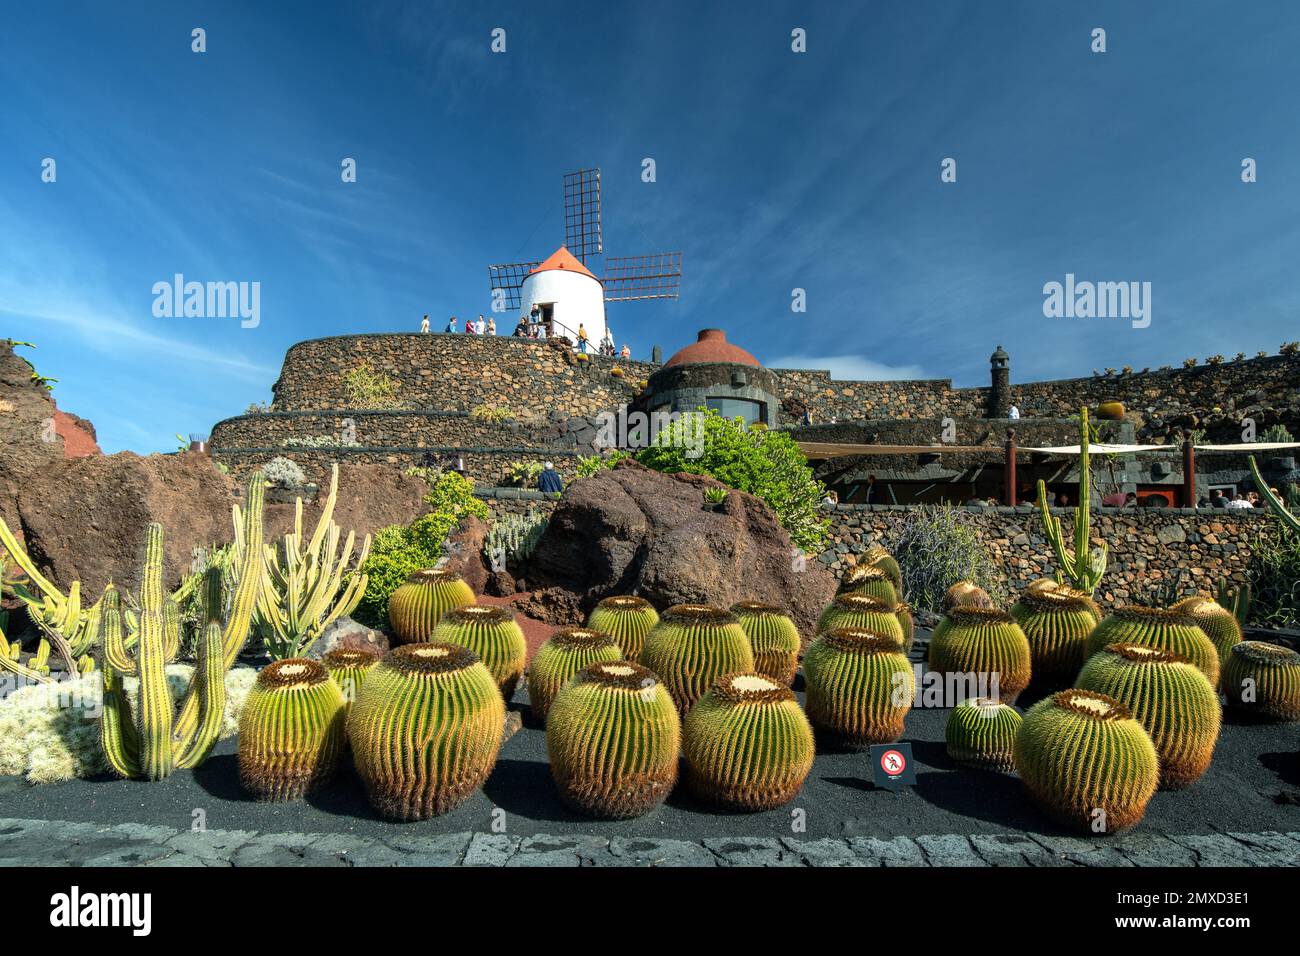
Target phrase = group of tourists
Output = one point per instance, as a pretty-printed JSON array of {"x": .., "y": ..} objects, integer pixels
[
  {"x": 479, "y": 326},
  {"x": 534, "y": 326}
]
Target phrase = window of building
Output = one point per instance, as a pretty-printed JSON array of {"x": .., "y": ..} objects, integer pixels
[{"x": 746, "y": 409}]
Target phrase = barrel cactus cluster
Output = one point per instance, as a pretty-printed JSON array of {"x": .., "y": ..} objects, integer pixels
[
  {"x": 1168, "y": 629},
  {"x": 567, "y": 651},
  {"x": 627, "y": 619},
  {"x": 773, "y": 637},
  {"x": 981, "y": 733},
  {"x": 494, "y": 636},
  {"x": 415, "y": 608},
  {"x": 692, "y": 646},
  {"x": 986, "y": 644},
  {"x": 860, "y": 686}
]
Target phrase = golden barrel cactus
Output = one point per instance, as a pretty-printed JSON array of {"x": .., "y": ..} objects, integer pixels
[
  {"x": 773, "y": 637},
  {"x": 415, "y": 607},
  {"x": 1056, "y": 623},
  {"x": 985, "y": 643},
  {"x": 494, "y": 635},
  {"x": 565, "y": 652},
  {"x": 861, "y": 610},
  {"x": 1170, "y": 630},
  {"x": 1219, "y": 624},
  {"x": 627, "y": 619},
  {"x": 871, "y": 580},
  {"x": 981, "y": 733},
  {"x": 860, "y": 686},
  {"x": 692, "y": 646},
  {"x": 1262, "y": 680}
]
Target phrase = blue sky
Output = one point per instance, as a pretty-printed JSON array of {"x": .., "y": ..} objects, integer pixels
[{"x": 775, "y": 170}]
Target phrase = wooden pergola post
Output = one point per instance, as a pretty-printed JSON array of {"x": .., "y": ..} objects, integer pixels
[
  {"x": 1010, "y": 469},
  {"x": 1189, "y": 470}
]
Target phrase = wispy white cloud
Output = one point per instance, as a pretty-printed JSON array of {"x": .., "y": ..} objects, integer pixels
[{"x": 851, "y": 367}]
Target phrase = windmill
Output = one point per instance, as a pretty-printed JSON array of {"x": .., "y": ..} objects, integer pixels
[{"x": 562, "y": 288}]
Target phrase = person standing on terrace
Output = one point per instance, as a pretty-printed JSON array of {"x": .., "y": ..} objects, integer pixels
[
  {"x": 582, "y": 338},
  {"x": 492, "y": 326},
  {"x": 627, "y": 352},
  {"x": 549, "y": 480},
  {"x": 424, "y": 324},
  {"x": 451, "y": 325}
]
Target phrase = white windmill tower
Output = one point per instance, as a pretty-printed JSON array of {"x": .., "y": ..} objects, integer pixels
[{"x": 565, "y": 292}]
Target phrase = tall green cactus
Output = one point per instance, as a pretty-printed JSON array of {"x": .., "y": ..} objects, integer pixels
[
  {"x": 155, "y": 740},
  {"x": 69, "y": 627},
  {"x": 1286, "y": 517},
  {"x": 1082, "y": 568}
]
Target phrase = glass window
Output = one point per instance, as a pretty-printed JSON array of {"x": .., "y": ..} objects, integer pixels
[{"x": 743, "y": 408}]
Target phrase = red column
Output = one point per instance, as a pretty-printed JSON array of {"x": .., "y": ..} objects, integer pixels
[
  {"x": 1189, "y": 470},
  {"x": 1010, "y": 468}
]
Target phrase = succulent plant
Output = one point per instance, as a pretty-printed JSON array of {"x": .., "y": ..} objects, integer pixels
[
  {"x": 987, "y": 643},
  {"x": 627, "y": 619},
  {"x": 773, "y": 637},
  {"x": 1169, "y": 697},
  {"x": 966, "y": 594},
  {"x": 425, "y": 729},
  {"x": 1057, "y": 623},
  {"x": 981, "y": 732},
  {"x": 493, "y": 634},
  {"x": 870, "y": 580},
  {"x": 349, "y": 667},
  {"x": 859, "y": 610},
  {"x": 613, "y": 737},
  {"x": 1086, "y": 761},
  {"x": 415, "y": 607},
  {"x": 903, "y": 612},
  {"x": 1263, "y": 680},
  {"x": 692, "y": 646},
  {"x": 860, "y": 685},
  {"x": 1219, "y": 624},
  {"x": 748, "y": 745},
  {"x": 878, "y": 557},
  {"x": 1079, "y": 566},
  {"x": 291, "y": 733},
  {"x": 1170, "y": 630},
  {"x": 565, "y": 652}
]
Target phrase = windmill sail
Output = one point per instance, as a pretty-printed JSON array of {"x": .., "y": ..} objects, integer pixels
[
  {"x": 654, "y": 276},
  {"x": 508, "y": 277}
]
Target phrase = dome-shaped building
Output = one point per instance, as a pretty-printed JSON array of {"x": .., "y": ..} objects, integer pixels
[{"x": 714, "y": 373}]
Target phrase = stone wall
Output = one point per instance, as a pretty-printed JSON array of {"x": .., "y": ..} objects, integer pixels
[
  {"x": 483, "y": 465},
  {"x": 1147, "y": 546}
]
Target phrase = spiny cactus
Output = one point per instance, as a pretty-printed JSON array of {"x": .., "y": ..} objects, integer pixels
[
  {"x": 1081, "y": 568},
  {"x": 349, "y": 667},
  {"x": 291, "y": 733},
  {"x": 1056, "y": 623},
  {"x": 965, "y": 594},
  {"x": 860, "y": 685},
  {"x": 747, "y": 744},
  {"x": 1289, "y": 521},
  {"x": 878, "y": 557},
  {"x": 1170, "y": 630},
  {"x": 627, "y": 619},
  {"x": 692, "y": 646},
  {"x": 981, "y": 732},
  {"x": 1169, "y": 697},
  {"x": 491, "y": 633},
  {"x": 1263, "y": 680},
  {"x": 859, "y": 610},
  {"x": 871, "y": 580},
  {"x": 985, "y": 642},
  {"x": 425, "y": 730},
  {"x": 153, "y": 741},
  {"x": 773, "y": 637},
  {"x": 415, "y": 607},
  {"x": 564, "y": 653},
  {"x": 613, "y": 737},
  {"x": 1086, "y": 761},
  {"x": 1218, "y": 623}
]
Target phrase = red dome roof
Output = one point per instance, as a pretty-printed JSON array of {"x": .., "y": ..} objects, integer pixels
[{"x": 712, "y": 346}]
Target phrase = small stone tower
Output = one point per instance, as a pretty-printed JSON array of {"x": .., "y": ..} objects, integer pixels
[{"x": 999, "y": 405}]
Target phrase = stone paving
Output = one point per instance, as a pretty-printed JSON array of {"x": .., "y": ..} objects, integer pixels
[{"x": 64, "y": 843}]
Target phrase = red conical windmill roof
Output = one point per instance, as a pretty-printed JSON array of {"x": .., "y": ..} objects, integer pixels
[{"x": 562, "y": 258}]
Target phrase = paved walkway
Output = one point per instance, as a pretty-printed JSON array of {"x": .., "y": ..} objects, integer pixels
[{"x": 65, "y": 843}]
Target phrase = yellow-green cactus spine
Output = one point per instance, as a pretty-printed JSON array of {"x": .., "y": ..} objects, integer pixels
[
  {"x": 425, "y": 730},
  {"x": 1170, "y": 630},
  {"x": 870, "y": 580},
  {"x": 860, "y": 686},
  {"x": 493, "y": 634},
  {"x": 613, "y": 737},
  {"x": 773, "y": 637},
  {"x": 861, "y": 610},
  {"x": 1219, "y": 624},
  {"x": 1169, "y": 697},
  {"x": 747, "y": 744},
  {"x": 291, "y": 732},
  {"x": 1262, "y": 680},
  {"x": 349, "y": 667},
  {"x": 1056, "y": 623},
  {"x": 415, "y": 607},
  {"x": 981, "y": 733},
  {"x": 986, "y": 643},
  {"x": 151, "y": 743},
  {"x": 627, "y": 619},
  {"x": 1086, "y": 761},
  {"x": 567, "y": 651},
  {"x": 878, "y": 557},
  {"x": 692, "y": 646}
]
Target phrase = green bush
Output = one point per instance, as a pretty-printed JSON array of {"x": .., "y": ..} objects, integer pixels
[
  {"x": 368, "y": 388},
  {"x": 398, "y": 550},
  {"x": 589, "y": 465},
  {"x": 1275, "y": 579},
  {"x": 938, "y": 547},
  {"x": 764, "y": 463}
]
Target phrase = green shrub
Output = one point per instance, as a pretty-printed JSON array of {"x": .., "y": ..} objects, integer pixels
[
  {"x": 489, "y": 413},
  {"x": 398, "y": 550},
  {"x": 521, "y": 474},
  {"x": 938, "y": 547},
  {"x": 1275, "y": 579},
  {"x": 589, "y": 465},
  {"x": 767, "y": 464},
  {"x": 368, "y": 388}
]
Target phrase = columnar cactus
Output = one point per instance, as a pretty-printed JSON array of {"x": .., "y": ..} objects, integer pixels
[
  {"x": 860, "y": 686},
  {"x": 425, "y": 730},
  {"x": 154, "y": 741},
  {"x": 1219, "y": 624},
  {"x": 493, "y": 634},
  {"x": 565, "y": 652},
  {"x": 1056, "y": 623},
  {"x": 291, "y": 732},
  {"x": 627, "y": 619},
  {"x": 773, "y": 637},
  {"x": 613, "y": 737},
  {"x": 1086, "y": 761},
  {"x": 747, "y": 744},
  {"x": 986, "y": 643},
  {"x": 871, "y": 580},
  {"x": 1081, "y": 568},
  {"x": 1262, "y": 680},
  {"x": 1170, "y": 630},
  {"x": 981, "y": 732},
  {"x": 1169, "y": 697},
  {"x": 692, "y": 646},
  {"x": 859, "y": 610},
  {"x": 415, "y": 607}
]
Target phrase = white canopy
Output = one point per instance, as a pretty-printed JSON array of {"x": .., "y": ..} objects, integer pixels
[
  {"x": 1103, "y": 449},
  {"x": 1256, "y": 446}
]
